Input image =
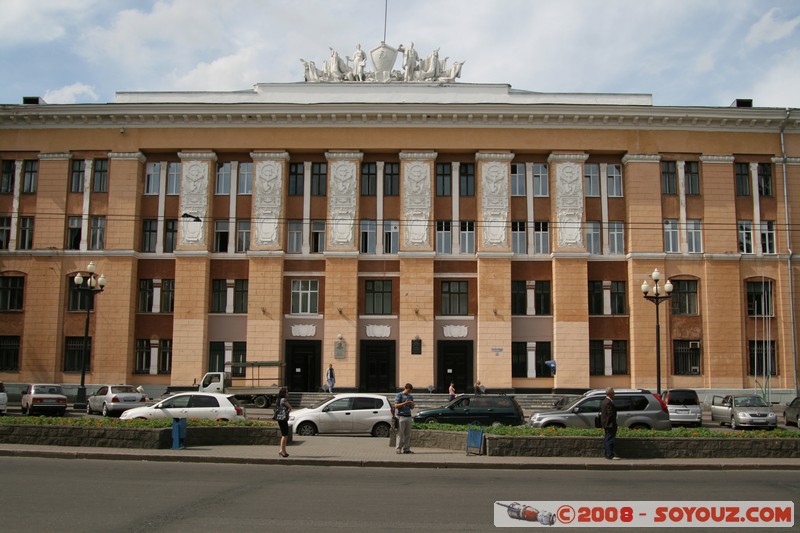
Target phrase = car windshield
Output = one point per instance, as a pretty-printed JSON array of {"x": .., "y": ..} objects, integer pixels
[
  {"x": 321, "y": 403},
  {"x": 122, "y": 388},
  {"x": 749, "y": 401}
]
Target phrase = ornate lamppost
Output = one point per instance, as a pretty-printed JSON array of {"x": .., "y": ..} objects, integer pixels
[
  {"x": 657, "y": 297},
  {"x": 90, "y": 285}
]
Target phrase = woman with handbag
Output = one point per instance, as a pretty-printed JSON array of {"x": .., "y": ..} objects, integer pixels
[{"x": 282, "y": 417}]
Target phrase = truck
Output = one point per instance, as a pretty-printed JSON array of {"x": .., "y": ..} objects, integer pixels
[{"x": 259, "y": 395}]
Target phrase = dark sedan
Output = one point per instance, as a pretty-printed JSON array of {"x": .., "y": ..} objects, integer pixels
[{"x": 471, "y": 408}]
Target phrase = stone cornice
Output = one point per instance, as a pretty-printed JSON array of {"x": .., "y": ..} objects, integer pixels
[
  {"x": 711, "y": 159},
  {"x": 201, "y": 156},
  {"x": 55, "y": 156},
  {"x": 574, "y": 158},
  {"x": 270, "y": 156},
  {"x": 641, "y": 158},
  {"x": 344, "y": 156},
  {"x": 789, "y": 160},
  {"x": 418, "y": 156},
  {"x": 491, "y": 156},
  {"x": 127, "y": 156}
]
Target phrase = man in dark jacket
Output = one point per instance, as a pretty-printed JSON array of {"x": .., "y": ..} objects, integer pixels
[{"x": 608, "y": 421}]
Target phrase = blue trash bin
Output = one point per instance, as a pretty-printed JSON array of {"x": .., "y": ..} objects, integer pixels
[{"x": 178, "y": 433}]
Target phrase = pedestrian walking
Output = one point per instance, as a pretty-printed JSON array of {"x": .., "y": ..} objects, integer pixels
[
  {"x": 330, "y": 377},
  {"x": 403, "y": 403},
  {"x": 608, "y": 421},
  {"x": 282, "y": 417},
  {"x": 452, "y": 391}
]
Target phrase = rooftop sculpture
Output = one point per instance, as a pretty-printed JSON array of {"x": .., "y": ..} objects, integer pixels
[{"x": 413, "y": 69}]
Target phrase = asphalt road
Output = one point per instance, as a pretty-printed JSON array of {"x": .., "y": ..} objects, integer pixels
[{"x": 40, "y": 494}]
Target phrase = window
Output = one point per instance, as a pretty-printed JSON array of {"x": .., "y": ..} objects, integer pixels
[
  {"x": 170, "y": 235},
  {"x": 239, "y": 358},
  {"x": 173, "y": 179},
  {"x": 614, "y": 181},
  {"x": 759, "y": 298},
  {"x": 768, "y": 237},
  {"x": 97, "y": 235},
  {"x": 519, "y": 239},
  {"x": 9, "y": 353},
  {"x": 221, "y": 236},
  {"x": 671, "y": 236},
  {"x": 618, "y": 298},
  {"x": 686, "y": 357},
  {"x": 319, "y": 179},
  {"x": 78, "y": 171},
  {"x": 78, "y": 300},
  {"x": 454, "y": 298},
  {"x": 167, "y": 296},
  {"x": 391, "y": 236},
  {"x": 100, "y": 178},
  {"x": 619, "y": 357},
  {"x": 378, "y": 297},
  {"x": 466, "y": 173},
  {"x": 142, "y": 362},
  {"x": 742, "y": 174},
  {"x": 219, "y": 295},
  {"x": 764, "y": 179},
  {"x": 519, "y": 359},
  {"x": 151, "y": 178},
  {"x": 12, "y": 290},
  {"x": 762, "y": 358},
  {"x": 541, "y": 237},
  {"x": 25, "y": 239},
  {"x": 593, "y": 237},
  {"x": 7, "y": 177},
  {"x": 616, "y": 238},
  {"x": 165, "y": 356},
  {"x": 245, "y": 178},
  {"x": 684, "y": 297},
  {"x": 391, "y": 179},
  {"x": 73, "y": 354},
  {"x": 467, "y": 237},
  {"x": 305, "y": 296},
  {"x": 517, "y": 179},
  {"x": 294, "y": 237},
  {"x": 443, "y": 237},
  {"x": 694, "y": 237},
  {"x": 368, "y": 237},
  {"x": 595, "y": 297},
  {"x": 317, "y": 236},
  {"x": 540, "y": 187},
  {"x": 296, "y": 171},
  {"x": 745, "y": 231},
  {"x": 369, "y": 179},
  {"x": 145, "y": 296},
  {"x": 597, "y": 358},
  {"x": 444, "y": 173},
  {"x": 223, "y": 185},
  {"x": 149, "y": 233},
  {"x": 240, "y": 287},
  {"x": 216, "y": 356},
  {"x": 669, "y": 180},
  {"x": 73, "y": 233},
  {"x": 242, "y": 236},
  {"x": 543, "y": 355},
  {"x": 541, "y": 298},
  {"x": 5, "y": 233},
  {"x": 591, "y": 178},
  {"x": 691, "y": 175},
  {"x": 519, "y": 298},
  {"x": 30, "y": 172}
]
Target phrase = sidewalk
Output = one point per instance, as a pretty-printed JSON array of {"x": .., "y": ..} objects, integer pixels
[{"x": 364, "y": 451}]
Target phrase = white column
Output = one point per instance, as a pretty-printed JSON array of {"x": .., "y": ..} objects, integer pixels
[
  {"x": 455, "y": 224},
  {"x": 162, "y": 199},
  {"x": 232, "y": 229},
  {"x": 532, "y": 359},
  {"x": 529, "y": 202},
  {"x": 606, "y": 297},
  {"x": 87, "y": 191},
  {"x": 230, "y": 284},
  {"x": 379, "y": 206},
  {"x": 682, "y": 235},
  {"x": 604, "y": 208},
  {"x": 228, "y": 355},
  {"x": 607, "y": 351},
  {"x": 530, "y": 297},
  {"x": 156, "y": 305},
  {"x": 756, "y": 209},
  {"x": 12, "y": 242},
  {"x": 306, "y": 247},
  {"x": 154, "y": 356}
]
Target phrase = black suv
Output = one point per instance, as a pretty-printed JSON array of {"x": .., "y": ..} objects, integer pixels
[{"x": 484, "y": 409}]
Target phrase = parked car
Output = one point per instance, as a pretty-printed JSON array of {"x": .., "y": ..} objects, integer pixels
[
  {"x": 742, "y": 410},
  {"x": 344, "y": 413},
  {"x": 44, "y": 398},
  {"x": 484, "y": 409},
  {"x": 636, "y": 409},
  {"x": 208, "y": 405},
  {"x": 114, "y": 399},
  {"x": 3, "y": 400},
  {"x": 684, "y": 407},
  {"x": 791, "y": 413}
]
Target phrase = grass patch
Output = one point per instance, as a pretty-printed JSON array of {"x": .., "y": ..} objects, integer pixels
[{"x": 117, "y": 423}]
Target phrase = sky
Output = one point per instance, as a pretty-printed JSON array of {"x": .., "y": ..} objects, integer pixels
[{"x": 683, "y": 52}]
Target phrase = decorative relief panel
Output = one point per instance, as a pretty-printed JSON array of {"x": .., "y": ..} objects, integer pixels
[
  {"x": 304, "y": 330},
  {"x": 495, "y": 203},
  {"x": 342, "y": 202},
  {"x": 379, "y": 331},
  {"x": 417, "y": 202},
  {"x": 268, "y": 197},
  {"x": 455, "y": 331},
  {"x": 194, "y": 197},
  {"x": 569, "y": 203}
]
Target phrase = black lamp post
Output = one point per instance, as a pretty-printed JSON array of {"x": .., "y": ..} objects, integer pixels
[
  {"x": 91, "y": 285},
  {"x": 657, "y": 298}
]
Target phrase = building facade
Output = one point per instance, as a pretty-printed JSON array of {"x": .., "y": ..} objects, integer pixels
[{"x": 415, "y": 232}]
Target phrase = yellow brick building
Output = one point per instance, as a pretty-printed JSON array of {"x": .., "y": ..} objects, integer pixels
[{"x": 404, "y": 232}]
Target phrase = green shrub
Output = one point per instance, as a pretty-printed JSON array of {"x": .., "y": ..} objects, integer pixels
[{"x": 117, "y": 423}]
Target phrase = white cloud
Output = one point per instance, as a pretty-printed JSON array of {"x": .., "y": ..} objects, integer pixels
[
  {"x": 779, "y": 86},
  {"x": 770, "y": 28},
  {"x": 25, "y": 22},
  {"x": 71, "y": 94}
]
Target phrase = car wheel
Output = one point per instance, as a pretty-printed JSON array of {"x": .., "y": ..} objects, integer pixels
[
  {"x": 88, "y": 408},
  {"x": 431, "y": 420},
  {"x": 306, "y": 429},
  {"x": 733, "y": 423},
  {"x": 105, "y": 410},
  {"x": 554, "y": 425},
  {"x": 381, "y": 430},
  {"x": 262, "y": 402},
  {"x": 639, "y": 426}
]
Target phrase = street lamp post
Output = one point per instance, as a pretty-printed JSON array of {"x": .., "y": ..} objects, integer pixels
[
  {"x": 90, "y": 285},
  {"x": 657, "y": 298}
]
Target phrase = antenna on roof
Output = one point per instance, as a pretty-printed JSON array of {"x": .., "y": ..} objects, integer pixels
[{"x": 385, "y": 15}]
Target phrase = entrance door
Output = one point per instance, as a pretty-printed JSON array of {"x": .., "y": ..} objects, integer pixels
[
  {"x": 303, "y": 366},
  {"x": 454, "y": 363},
  {"x": 377, "y": 366}
]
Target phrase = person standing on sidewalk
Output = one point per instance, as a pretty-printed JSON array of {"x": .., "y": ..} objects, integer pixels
[
  {"x": 452, "y": 391},
  {"x": 608, "y": 421},
  {"x": 330, "y": 377},
  {"x": 283, "y": 420},
  {"x": 403, "y": 403}
]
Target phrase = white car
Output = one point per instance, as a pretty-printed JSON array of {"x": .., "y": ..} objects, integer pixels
[
  {"x": 3, "y": 400},
  {"x": 345, "y": 413},
  {"x": 208, "y": 405},
  {"x": 114, "y": 399},
  {"x": 44, "y": 398}
]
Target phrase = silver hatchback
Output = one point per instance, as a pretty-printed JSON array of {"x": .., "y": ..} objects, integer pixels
[
  {"x": 635, "y": 410},
  {"x": 684, "y": 407}
]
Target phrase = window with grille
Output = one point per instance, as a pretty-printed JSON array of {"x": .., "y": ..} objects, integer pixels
[
  {"x": 9, "y": 353},
  {"x": 761, "y": 358},
  {"x": 73, "y": 354},
  {"x": 686, "y": 357}
]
